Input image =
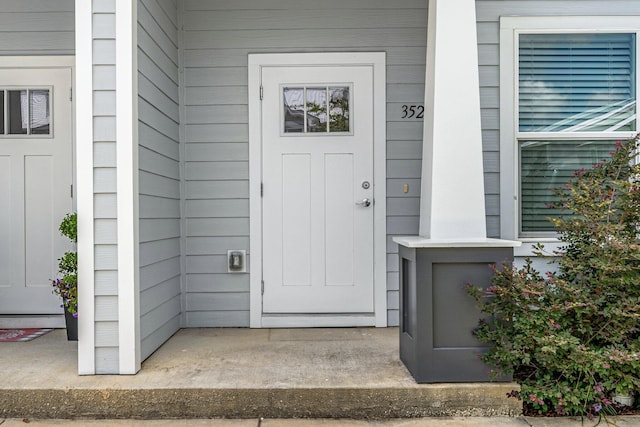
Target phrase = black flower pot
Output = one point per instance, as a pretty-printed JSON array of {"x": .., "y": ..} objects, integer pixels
[{"x": 72, "y": 326}]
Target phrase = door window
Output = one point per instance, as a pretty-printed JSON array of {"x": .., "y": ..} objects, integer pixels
[
  {"x": 316, "y": 109},
  {"x": 25, "y": 112}
]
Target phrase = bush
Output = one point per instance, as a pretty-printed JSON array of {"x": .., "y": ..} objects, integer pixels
[{"x": 572, "y": 337}]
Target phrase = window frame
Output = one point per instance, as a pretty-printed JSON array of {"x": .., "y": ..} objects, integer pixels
[
  {"x": 304, "y": 87},
  {"x": 511, "y": 136}
]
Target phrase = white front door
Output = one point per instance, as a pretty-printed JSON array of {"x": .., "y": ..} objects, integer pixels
[
  {"x": 318, "y": 189},
  {"x": 35, "y": 185}
]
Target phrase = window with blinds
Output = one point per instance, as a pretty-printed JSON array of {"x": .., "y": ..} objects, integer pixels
[
  {"x": 546, "y": 166},
  {"x": 569, "y": 84},
  {"x": 577, "y": 83}
]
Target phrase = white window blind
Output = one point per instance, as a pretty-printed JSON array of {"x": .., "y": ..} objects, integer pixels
[
  {"x": 577, "y": 82},
  {"x": 546, "y": 166}
]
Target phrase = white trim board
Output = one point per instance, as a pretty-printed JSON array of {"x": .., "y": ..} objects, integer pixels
[
  {"x": 127, "y": 187},
  {"x": 256, "y": 62},
  {"x": 84, "y": 188},
  {"x": 310, "y": 321}
]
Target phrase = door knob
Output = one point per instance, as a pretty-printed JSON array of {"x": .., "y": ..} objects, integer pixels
[{"x": 364, "y": 203}]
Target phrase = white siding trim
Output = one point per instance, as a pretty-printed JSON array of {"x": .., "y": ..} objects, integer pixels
[
  {"x": 255, "y": 198},
  {"x": 337, "y": 321},
  {"x": 127, "y": 187},
  {"x": 380, "y": 189},
  {"x": 84, "y": 188},
  {"x": 378, "y": 60},
  {"x": 181, "y": 150},
  {"x": 508, "y": 184}
]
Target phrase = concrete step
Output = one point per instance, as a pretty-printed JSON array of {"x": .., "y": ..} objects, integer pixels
[
  {"x": 241, "y": 373},
  {"x": 358, "y": 403}
]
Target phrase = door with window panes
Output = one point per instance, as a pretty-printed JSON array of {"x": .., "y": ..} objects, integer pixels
[
  {"x": 35, "y": 185},
  {"x": 317, "y": 145}
]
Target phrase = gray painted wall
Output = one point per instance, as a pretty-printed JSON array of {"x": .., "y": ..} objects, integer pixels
[
  {"x": 218, "y": 35},
  {"x": 37, "y": 27},
  {"x": 159, "y": 172}
]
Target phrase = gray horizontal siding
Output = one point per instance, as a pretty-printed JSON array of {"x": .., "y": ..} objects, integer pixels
[
  {"x": 218, "y": 36},
  {"x": 159, "y": 174},
  {"x": 399, "y": 55},
  {"x": 371, "y": 38},
  {"x": 105, "y": 213},
  {"x": 312, "y": 5},
  {"x": 37, "y": 27},
  {"x": 488, "y": 59},
  {"x": 320, "y": 19}
]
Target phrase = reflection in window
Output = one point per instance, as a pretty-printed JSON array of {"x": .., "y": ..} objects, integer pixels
[
  {"x": 577, "y": 82},
  {"x": 316, "y": 109},
  {"x": 293, "y": 109},
  {"x": 339, "y": 109},
  {"x": 25, "y": 112}
]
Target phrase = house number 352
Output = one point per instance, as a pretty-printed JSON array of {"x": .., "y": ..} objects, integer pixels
[{"x": 412, "y": 111}]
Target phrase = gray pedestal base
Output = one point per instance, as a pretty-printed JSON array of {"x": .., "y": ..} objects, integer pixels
[{"x": 437, "y": 316}]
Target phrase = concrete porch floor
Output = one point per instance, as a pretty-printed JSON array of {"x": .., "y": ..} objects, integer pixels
[{"x": 241, "y": 373}]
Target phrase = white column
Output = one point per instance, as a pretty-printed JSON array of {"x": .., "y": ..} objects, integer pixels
[
  {"x": 452, "y": 198},
  {"x": 127, "y": 186}
]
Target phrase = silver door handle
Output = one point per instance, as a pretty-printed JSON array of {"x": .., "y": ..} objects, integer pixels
[{"x": 364, "y": 203}]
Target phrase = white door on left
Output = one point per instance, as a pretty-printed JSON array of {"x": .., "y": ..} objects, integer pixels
[{"x": 35, "y": 185}]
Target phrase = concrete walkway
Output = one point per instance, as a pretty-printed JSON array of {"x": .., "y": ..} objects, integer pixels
[
  {"x": 265, "y": 378},
  {"x": 241, "y": 373},
  {"x": 622, "y": 421}
]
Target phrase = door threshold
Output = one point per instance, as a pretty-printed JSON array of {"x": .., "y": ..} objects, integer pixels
[
  {"x": 270, "y": 320},
  {"x": 12, "y": 321}
]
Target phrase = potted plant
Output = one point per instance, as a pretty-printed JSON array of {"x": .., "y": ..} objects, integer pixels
[{"x": 66, "y": 284}]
